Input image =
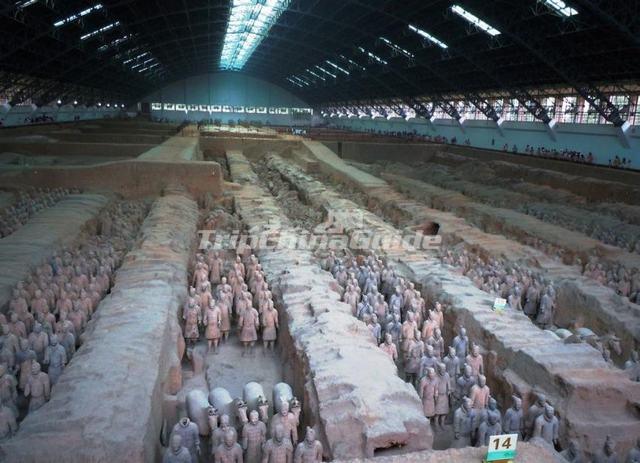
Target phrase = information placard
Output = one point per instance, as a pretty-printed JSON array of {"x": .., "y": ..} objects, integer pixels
[
  {"x": 499, "y": 304},
  {"x": 502, "y": 447}
]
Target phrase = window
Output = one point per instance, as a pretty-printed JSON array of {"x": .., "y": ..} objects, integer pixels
[
  {"x": 428, "y": 36},
  {"x": 475, "y": 21},
  {"x": 560, "y": 7},
  {"x": 249, "y": 23}
]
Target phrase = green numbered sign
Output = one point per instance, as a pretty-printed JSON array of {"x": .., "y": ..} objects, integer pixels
[{"x": 502, "y": 447}]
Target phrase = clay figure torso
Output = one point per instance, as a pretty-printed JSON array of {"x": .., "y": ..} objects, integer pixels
[
  {"x": 224, "y": 454},
  {"x": 248, "y": 325},
  {"x": 269, "y": 321},
  {"x": 256, "y": 435}
]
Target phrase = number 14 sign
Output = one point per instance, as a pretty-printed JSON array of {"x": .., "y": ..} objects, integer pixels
[{"x": 502, "y": 448}]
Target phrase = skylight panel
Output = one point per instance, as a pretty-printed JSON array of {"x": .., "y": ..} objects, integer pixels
[
  {"x": 315, "y": 75},
  {"x": 114, "y": 43},
  {"x": 353, "y": 63},
  {"x": 143, "y": 63},
  {"x": 78, "y": 15},
  {"x": 98, "y": 31},
  {"x": 376, "y": 58},
  {"x": 141, "y": 55},
  {"x": 25, "y": 3},
  {"x": 560, "y": 7},
  {"x": 428, "y": 36},
  {"x": 335, "y": 66},
  {"x": 249, "y": 23},
  {"x": 301, "y": 80},
  {"x": 397, "y": 48},
  {"x": 325, "y": 71},
  {"x": 473, "y": 19},
  {"x": 294, "y": 82},
  {"x": 149, "y": 67}
]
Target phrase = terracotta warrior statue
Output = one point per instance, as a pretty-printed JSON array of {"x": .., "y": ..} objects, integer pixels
[
  {"x": 38, "y": 341},
  {"x": 513, "y": 419},
  {"x": 309, "y": 450},
  {"x": 461, "y": 344},
  {"x": 452, "y": 363},
  {"x": 463, "y": 420},
  {"x": 533, "y": 413},
  {"x": 229, "y": 451},
  {"x": 269, "y": 326},
  {"x": 287, "y": 420},
  {"x": 464, "y": 383},
  {"x": 217, "y": 436},
  {"x": 192, "y": 318},
  {"x": 248, "y": 324},
  {"x": 176, "y": 453},
  {"x": 254, "y": 435},
  {"x": 428, "y": 392},
  {"x": 56, "y": 357},
  {"x": 212, "y": 321},
  {"x": 389, "y": 348},
  {"x": 546, "y": 426},
  {"x": 488, "y": 428},
  {"x": 190, "y": 434},
  {"x": 443, "y": 396},
  {"x": 37, "y": 387},
  {"x": 278, "y": 449},
  {"x": 479, "y": 394},
  {"x": 474, "y": 360}
]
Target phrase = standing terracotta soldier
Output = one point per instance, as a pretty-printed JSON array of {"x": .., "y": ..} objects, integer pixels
[
  {"x": 488, "y": 428},
  {"x": 38, "y": 387},
  {"x": 288, "y": 422},
  {"x": 309, "y": 450},
  {"x": 546, "y": 426},
  {"x": 475, "y": 361},
  {"x": 248, "y": 325},
  {"x": 38, "y": 341},
  {"x": 479, "y": 394},
  {"x": 238, "y": 266},
  {"x": 461, "y": 344},
  {"x": 217, "y": 436},
  {"x": 269, "y": 326},
  {"x": 225, "y": 317},
  {"x": 24, "y": 358},
  {"x": 438, "y": 343},
  {"x": 190, "y": 434},
  {"x": 464, "y": 383},
  {"x": 513, "y": 419},
  {"x": 533, "y": 413},
  {"x": 278, "y": 449},
  {"x": 229, "y": 451},
  {"x": 254, "y": 435},
  {"x": 56, "y": 357},
  {"x": 212, "y": 322},
  {"x": 389, "y": 347},
  {"x": 191, "y": 321},
  {"x": 452, "y": 363},
  {"x": 412, "y": 361},
  {"x": 215, "y": 268},
  {"x": 409, "y": 332},
  {"x": 176, "y": 453},
  {"x": 428, "y": 393},
  {"x": 463, "y": 428},
  {"x": 443, "y": 389}
]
